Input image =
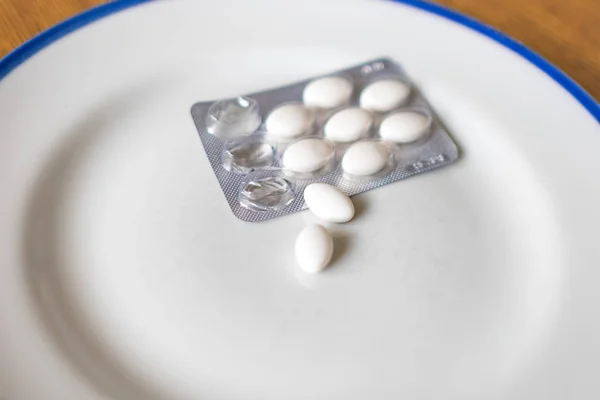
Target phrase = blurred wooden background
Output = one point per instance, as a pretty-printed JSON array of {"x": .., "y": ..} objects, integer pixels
[{"x": 566, "y": 32}]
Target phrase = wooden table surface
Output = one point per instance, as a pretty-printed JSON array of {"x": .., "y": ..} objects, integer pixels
[{"x": 566, "y": 32}]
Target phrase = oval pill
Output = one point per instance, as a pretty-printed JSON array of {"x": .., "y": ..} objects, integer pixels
[
  {"x": 307, "y": 155},
  {"x": 404, "y": 126},
  {"x": 348, "y": 125},
  {"x": 328, "y": 203},
  {"x": 328, "y": 92},
  {"x": 365, "y": 158},
  {"x": 384, "y": 95},
  {"x": 289, "y": 121},
  {"x": 314, "y": 249}
]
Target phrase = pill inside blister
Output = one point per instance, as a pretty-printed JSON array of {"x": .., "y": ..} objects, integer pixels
[
  {"x": 270, "y": 193},
  {"x": 384, "y": 95},
  {"x": 366, "y": 159},
  {"x": 348, "y": 125},
  {"x": 246, "y": 155},
  {"x": 289, "y": 121},
  {"x": 405, "y": 126},
  {"x": 308, "y": 157},
  {"x": 328, "y": 92},
  {"x": 233, "y": 117}
]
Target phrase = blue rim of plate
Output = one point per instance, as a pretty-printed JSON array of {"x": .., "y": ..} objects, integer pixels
[{"x": 37, "y": 43}]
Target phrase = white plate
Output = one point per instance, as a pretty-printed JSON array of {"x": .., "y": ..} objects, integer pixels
[{"x": 124, "y": 274}]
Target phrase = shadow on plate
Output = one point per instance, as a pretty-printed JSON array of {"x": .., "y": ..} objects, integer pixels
[{"x": 57, "y": 308}]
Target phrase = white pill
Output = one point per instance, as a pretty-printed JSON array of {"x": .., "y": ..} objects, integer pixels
[
  {"x": 328, "y": 203},
  {"x": 328, "y": 92},
  {"x": 308, "y": 155},
  {"x": 404, "y": 126},
  {"x": 365, "y": 158},
  {"x": 348, "y": 125},
  {"x": 384, "y": 95},
  {"x": 289, "y": 121},
  {"x": 314, "y": 249}
]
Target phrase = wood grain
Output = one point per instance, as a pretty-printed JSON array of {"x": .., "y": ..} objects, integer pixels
[{"x": 565, "y": 32}]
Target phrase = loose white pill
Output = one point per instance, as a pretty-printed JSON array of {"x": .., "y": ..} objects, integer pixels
[
  {"x": 308, "y": 155},
  {"x": 314, "y": 249},
  {"x": 404, "y": 126},
  {"x": 348, "y": 125},
  {"x": 365, "y": 158},
  {"x": 328, "y": 203},
  {"x": 289, "y": 121},
  {"x": 384, "y": 95},
  {"x": 328, "y": 92}
]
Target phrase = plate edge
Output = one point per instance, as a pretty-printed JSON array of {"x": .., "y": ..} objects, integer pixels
[
  {"x": 558, "y": 75},
  {"x": 22, "y": 53}
]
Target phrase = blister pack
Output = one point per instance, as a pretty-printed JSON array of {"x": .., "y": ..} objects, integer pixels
[{"x": 357, "y": 129}]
